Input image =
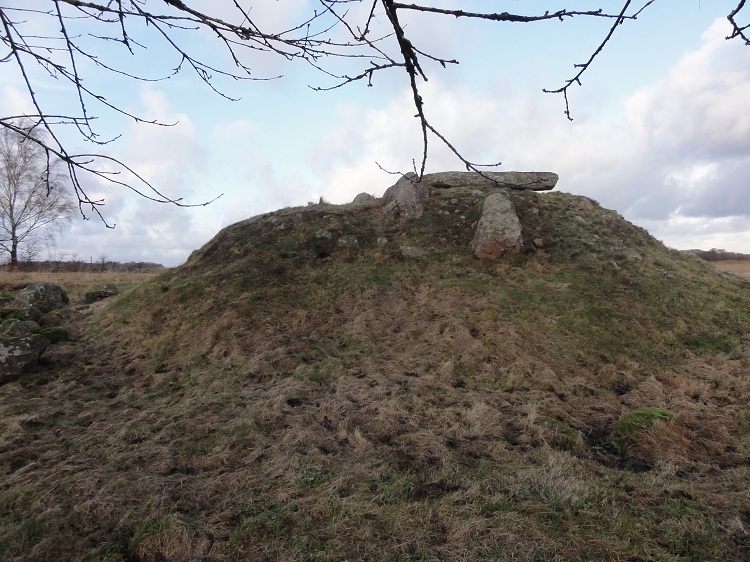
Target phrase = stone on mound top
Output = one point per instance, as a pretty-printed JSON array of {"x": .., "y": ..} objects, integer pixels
[
  {"x": 406, "y": 198},
  {"x": 533, "y": 181},
  {"x": 499, "y": 230}
]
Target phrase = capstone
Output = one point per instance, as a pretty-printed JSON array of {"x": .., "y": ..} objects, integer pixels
[{"x": 534, "y": 181}]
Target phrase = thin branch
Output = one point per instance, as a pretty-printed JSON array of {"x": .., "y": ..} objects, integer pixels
[
  {"x": 411, "y": 64},
  {"x": 737, "y": 30},
  {"x": 504, "y": 16},
  {"x": 583, "y": 67},
  {"x": 313, "y": 39}
]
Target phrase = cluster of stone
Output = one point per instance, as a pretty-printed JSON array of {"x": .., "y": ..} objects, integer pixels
[
  {"x": 498, "y": 231},
  {"x": 22, "y": 338}
]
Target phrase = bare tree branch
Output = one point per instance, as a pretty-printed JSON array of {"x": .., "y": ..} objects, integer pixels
[
  {"x": 737, "y": 30},
  {"x": 333, "y": 32},
  {"x": 584, "y": 67},
  {"x": 504, "y": 16}
]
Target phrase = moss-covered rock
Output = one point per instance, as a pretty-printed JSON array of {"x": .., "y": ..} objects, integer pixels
[
  {"x": 55, "y": 334},
  {"x": 21, "y": 345},
  {"x": 29, "y": 313},
  {"x": 43, "y": 296},
  {"x": 57, "y": 317},
  {"x": 100, "y": 293}
]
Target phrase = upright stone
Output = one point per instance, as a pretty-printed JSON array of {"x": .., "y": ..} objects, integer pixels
[
  {"x": 498, "y": 230},
  {"x": 406, "y": 199}
]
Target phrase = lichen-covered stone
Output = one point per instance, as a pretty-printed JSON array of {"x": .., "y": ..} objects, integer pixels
[
  {"x": 14, "y": 328},
  {"x": 21, "y": 345},
  {"x": 56, "y": 317},
  {"x": 42, "y": 296},
  {"x": 324, "y": 243},
  {"x": 56, "y": 334},
  {"x": 534, "y": 181},
  {"x": 20, "y": 314}
]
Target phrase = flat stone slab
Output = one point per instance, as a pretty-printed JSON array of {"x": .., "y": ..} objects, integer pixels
[{"x": 533, "y": 181}]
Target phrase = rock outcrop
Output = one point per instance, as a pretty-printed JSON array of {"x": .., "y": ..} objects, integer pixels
[
  {"x": 406, "y": 199},
  {"x": 498, "y": 230},
  {"x": 44, "y": 297},
  {"x": 534, "y": 181}
]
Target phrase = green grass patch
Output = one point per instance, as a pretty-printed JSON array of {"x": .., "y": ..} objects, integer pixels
[
  {"x": 641, "y": 419},
  {"x": 311, "y": 480}
]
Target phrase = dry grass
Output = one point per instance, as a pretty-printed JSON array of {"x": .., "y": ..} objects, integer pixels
[
  {"x": 738, "y": 267},
  {"x": 75, "y": 284},
  {"x": 367, "y": 407}
]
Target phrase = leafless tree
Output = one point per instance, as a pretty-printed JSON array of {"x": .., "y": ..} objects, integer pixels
[
  {"x": 31, "y": 251},
  {"x": 367, "y": 33},
  {"x": 75, "y": 262},
  {"x": 56, "y": 259},
  {"x": 34, "y": 202}
]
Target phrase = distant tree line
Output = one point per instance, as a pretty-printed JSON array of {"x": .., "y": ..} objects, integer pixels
[
  {"x": 74, "y": 264},
  {"x": 717, "y": 254}
]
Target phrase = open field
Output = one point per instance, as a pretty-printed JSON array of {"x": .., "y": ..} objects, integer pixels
[
  {"x": 738, "y": 267},
  {"x": 75, "y": 284}
]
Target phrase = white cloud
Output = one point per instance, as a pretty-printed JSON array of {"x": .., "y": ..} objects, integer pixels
[
  {"x": 174, "y": 161},
  {"x": 677, "y": 156},
  {"x": 674, "y": 158},
  {"x": 15, "y": 102}
]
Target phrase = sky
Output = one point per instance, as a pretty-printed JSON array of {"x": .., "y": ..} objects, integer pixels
[{"x": 661, "y": 128}]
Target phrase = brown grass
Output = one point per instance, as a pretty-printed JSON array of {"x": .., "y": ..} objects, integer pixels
[
  {"x": 75, "y": 284},
  {"x": 372, "y": 408},
  {"x": 738, "y": 267}
]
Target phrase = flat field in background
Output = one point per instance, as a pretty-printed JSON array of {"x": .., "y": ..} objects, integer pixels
[
  {"x": 76, "y": 284},
  {"x": 738, "y": 267}
]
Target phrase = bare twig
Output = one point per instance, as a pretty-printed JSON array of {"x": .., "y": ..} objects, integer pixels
[
  {"x": 583, "y": 67},
  {"x": 329, "y": 33},
  {"x": 737, "y": 30}
]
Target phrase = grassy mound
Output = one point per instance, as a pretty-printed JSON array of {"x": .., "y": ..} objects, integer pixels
[{"x": 583, "y": 400}]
